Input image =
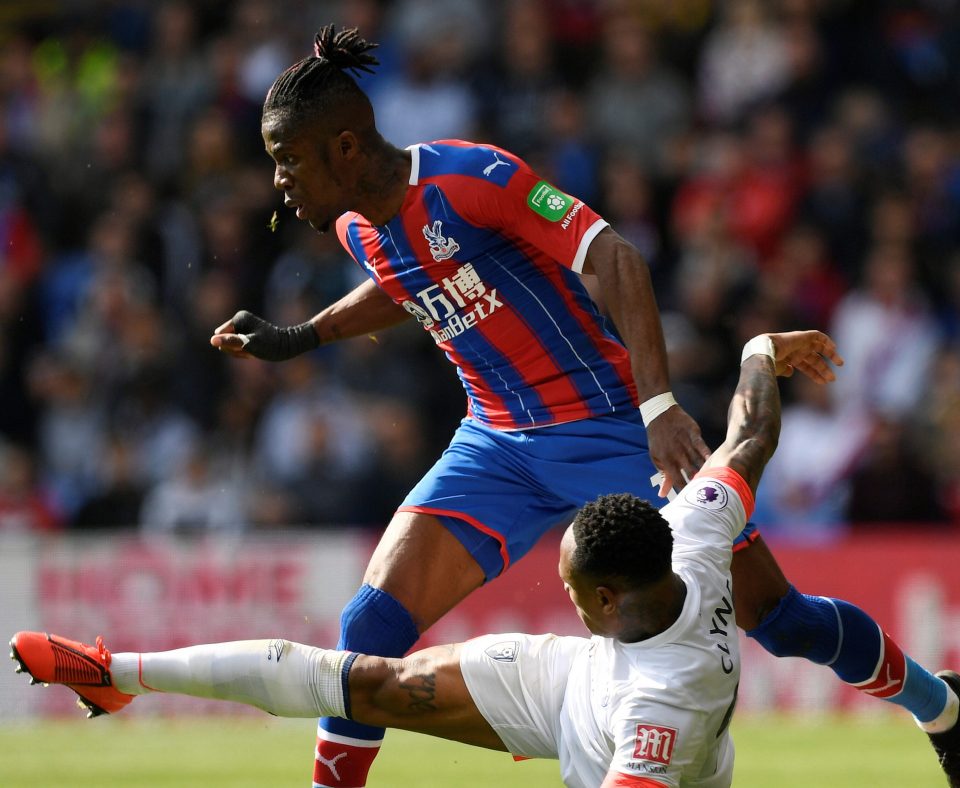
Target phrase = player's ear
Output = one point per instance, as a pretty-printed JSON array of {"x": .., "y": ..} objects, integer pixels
[
  {"x": 346, "y": 145},
  {"x": 607, "y": 600}
]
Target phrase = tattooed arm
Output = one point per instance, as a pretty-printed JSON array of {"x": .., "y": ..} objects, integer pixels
[{"x": 753, "y": 420}]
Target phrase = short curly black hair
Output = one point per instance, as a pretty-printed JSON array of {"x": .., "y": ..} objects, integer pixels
[
  {"x": 311, "y": 87},
  {"x": 622, "y": 537}
]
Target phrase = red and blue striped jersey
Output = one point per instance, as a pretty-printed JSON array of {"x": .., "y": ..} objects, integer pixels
[{"x": 486, "y": 256}]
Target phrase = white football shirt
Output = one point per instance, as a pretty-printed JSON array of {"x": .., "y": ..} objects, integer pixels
[{"x": 659, "y": 709}]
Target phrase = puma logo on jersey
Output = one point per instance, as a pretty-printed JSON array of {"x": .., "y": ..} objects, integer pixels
[
  {"x": 497, "y": 162},
  {"x": 369, "y": 265}
]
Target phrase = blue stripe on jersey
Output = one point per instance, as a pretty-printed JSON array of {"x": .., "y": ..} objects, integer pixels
[
  {"x": 475, "y": 161},
  {"x": 542, "y": 307},
  {"x": 356, "y": 249},
  {"x": 587, "y": 304},
  {"x": 522, "y": 402}
]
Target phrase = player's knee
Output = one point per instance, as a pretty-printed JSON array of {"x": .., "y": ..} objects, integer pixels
[
  {"x": 374, "y": 622},
  {"x": 800, "y": 626}
]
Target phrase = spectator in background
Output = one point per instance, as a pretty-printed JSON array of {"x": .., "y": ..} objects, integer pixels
[
  {"x": 628, "y": 205},
  {"x": 886, "y": 328},
  {"x": 801, "y": 279},
  {"x": 193, "y": 502},
  {"x": 834, "y": 199},
  {"x": 744, "y": 61},
  {"x": 24, "y": 506},
  {"x": 312, "y": 442},
  {"x": 634, "y": 101},
  {"x": 807, "y": 87},
  {"x": 806, "y": 487},
  {"x": 569, "y": 154},
  {"x": 399, "y": 462},
  {"x": 932, "y": 187},
  {"x": 117, "y": 497},
  {"x": 892, "y": 484},
  {"x": 71, "y": 428},
  {"x": 431, "y": 98},
  {"x": 176, "y": 84},
  {"x": 515, "y": 96}
]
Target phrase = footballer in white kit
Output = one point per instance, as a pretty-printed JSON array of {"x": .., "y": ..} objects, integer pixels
[
  {"x": 650, "y": 713},
  {"x": 643, "y": 703}
]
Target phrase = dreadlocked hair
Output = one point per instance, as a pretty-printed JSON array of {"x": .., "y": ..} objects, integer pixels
[
  {"x": 317, "y": 83},
  {"x": 622, "y": 536}
]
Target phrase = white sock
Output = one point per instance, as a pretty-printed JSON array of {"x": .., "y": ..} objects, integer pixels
[
  {"x": 281, "y": 677},
  {"x": 947, "y": 718}
]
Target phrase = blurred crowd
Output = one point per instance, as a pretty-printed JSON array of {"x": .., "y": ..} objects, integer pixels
[{"x": 780, "y": 163}]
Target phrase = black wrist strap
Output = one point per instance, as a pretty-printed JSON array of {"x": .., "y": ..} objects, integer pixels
[
  {"x": 270, "y": 343},
  {"x": 298, "y": 339}
]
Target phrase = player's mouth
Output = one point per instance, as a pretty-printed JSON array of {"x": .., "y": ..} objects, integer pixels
[{"x": 300, "y": 210}]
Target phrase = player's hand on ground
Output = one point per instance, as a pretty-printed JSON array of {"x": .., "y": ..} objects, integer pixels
[
  {"x": 676, "y": 448},
  {"x": 809, "y": 352}
]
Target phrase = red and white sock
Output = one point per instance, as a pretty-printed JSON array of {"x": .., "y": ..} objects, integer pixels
[{"x": 342, "y": 761}]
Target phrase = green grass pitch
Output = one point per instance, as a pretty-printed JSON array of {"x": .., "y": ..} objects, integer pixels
[{"x": 772, "y": 752}]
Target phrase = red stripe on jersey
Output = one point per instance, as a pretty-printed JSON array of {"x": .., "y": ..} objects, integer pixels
[
  {"x": 517, "y": 342},
  {"x": 512, "y": 339},
  {"x": 494, "y": 408},
  {"x": 891, "y": 672},
  {"x": 620, "y": 780},
  {"x": 732, "y": 479},
  {"x": 613, "y": 352},
  {"x": 467, "y": 519},
  {"x": 341, "y": 225}
]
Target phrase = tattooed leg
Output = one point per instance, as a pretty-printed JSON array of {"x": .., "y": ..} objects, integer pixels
[{"x": 423, "y": 692}]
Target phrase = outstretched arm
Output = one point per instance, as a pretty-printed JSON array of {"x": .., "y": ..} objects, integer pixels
[
  {"x": 753, "y": 421},
  {"x": 364, "y": 310},
  {"x": 624, "y": 282}
]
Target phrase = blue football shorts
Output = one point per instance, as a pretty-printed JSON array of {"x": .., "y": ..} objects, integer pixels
[{"x": 499, "y": 491}]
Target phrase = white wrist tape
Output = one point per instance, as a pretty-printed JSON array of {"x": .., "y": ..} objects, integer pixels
[
  {"x": 654, "y": 406},
  {"x": 762, "y": 345}
]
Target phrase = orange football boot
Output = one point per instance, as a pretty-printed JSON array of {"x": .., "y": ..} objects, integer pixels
[{"x": 50, "y": 659}]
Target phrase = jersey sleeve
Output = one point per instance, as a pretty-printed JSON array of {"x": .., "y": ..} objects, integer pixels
[
  {"x": 654, "y": 742},
  {"x": 525, "y": 207},
  {"x": 710, "y": 511}
]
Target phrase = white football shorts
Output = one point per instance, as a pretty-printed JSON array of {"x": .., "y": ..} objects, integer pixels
[{"x": 518, "y": 682}]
